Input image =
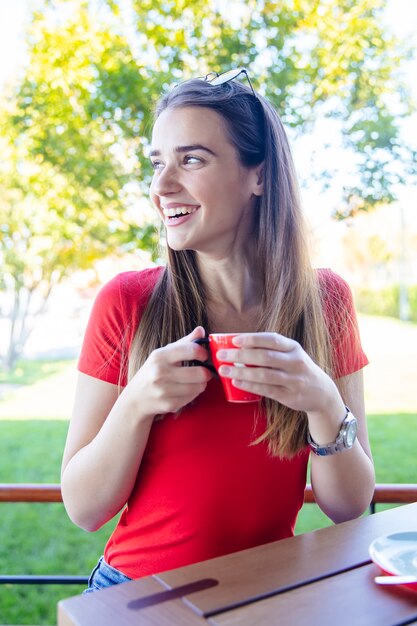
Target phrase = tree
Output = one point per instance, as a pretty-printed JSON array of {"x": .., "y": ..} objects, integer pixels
[
  {"x": 44, "y": 237},
  {"x": 64, "y": 171},
  {"x": 76, "y": 126},
  {"x": 312, "y": 58},
  {"x": 330, "y": 58}
]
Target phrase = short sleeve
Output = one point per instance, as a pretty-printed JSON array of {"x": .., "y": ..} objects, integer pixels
[
  {"x": 340, "y": 314},
  {"x": 101, "y": 352},
  {"x": 112, "y": 325}
]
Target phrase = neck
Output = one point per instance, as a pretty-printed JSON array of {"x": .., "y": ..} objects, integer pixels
[{"x": 234, "y": 293}]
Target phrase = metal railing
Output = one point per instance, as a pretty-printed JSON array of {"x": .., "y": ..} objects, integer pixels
[
  {"x": 33, "y": 492},
  {"x": 385, "y": 493}
]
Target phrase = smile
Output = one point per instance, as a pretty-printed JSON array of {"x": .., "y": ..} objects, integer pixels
[{"x": 180, "y": 210}]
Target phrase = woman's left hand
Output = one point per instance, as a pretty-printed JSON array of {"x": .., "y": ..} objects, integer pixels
[{"x": 283, "y": 371}]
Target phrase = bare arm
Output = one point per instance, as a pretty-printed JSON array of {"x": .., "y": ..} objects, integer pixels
[
  {"x": 108, "y": 433},
  {"x": 343, "y": 486},
  {"x": 104, "y": 449}
]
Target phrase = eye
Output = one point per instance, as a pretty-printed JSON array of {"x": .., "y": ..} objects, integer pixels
[
  {"x": 191, "y": 159},
  {"x": 156, "y": 165}
]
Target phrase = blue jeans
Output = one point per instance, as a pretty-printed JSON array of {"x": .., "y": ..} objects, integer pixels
[{"x": 104, "y": 575}]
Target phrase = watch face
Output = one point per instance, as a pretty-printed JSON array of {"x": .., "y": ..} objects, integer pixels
[{"x": 351, "y": 433}]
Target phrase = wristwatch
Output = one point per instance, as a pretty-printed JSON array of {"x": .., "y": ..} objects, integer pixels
[{"x": 344, "y": 440}]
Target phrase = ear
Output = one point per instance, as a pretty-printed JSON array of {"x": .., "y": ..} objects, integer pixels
[{"x": 258, "y": 178}]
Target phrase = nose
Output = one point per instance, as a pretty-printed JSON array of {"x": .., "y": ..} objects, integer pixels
[{"x": 165, "y": 181}]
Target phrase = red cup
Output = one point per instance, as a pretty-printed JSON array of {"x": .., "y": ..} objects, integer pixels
[{"x": 219, "y": 341}]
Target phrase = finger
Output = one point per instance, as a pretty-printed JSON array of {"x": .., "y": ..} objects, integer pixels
[
  {"x": 256, "y": 375},
  {"x": 196, "y": 374},
  {"x": 197, "y": 333},
  {"x": 257, "y": 357},
  {"x": 184, "y": 390},
  {"x": 177, "y": 396},
  {"x": 185, "y": 349},
  {"x": 273, "y": 341},
  {"x": 195, "y": 338},
  {"x": 280, "y": 394}
]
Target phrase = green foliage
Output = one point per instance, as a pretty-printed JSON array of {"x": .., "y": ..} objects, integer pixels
[
  {"x": 412, "y": 301},
  {"x": 94, "y": 75},
  {"x": 386, "y": 301},
  {"x": 64, "y": 195}
]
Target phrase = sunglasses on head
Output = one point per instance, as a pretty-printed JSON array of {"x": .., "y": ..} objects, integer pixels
[{"x": 225, "y": 77}]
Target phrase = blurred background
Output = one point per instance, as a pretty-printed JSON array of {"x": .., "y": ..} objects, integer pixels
[{"x": 78, "y": 81}]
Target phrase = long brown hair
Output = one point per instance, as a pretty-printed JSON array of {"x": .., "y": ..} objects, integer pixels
[{"x": 292, "y": 303}]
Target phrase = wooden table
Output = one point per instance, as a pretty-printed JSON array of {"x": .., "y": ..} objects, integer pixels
[{"x": 324, "y": 578}]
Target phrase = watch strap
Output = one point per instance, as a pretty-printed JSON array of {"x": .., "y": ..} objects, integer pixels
[{"x": 341, "y": 442}]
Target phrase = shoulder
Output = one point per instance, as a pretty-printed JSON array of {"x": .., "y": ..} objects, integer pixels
[
  {"x": 332, "y": 283},
  {"x": 337, "y": 301},
  {"x": 124, "y": 297},
  {"x": 128, "y": 286},
  {"x": 335, "y": 291},
  {"x": 340, "y": 315},
  {"x": 113, "y": 320}
]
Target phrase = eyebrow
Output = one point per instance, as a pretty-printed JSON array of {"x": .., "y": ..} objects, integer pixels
[{"x": 181, "y": 149}]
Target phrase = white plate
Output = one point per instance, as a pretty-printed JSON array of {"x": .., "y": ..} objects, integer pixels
[{"x": 396, "y": 554}]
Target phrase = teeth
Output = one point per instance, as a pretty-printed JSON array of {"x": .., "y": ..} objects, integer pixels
[{"x": 179, "y": 210}]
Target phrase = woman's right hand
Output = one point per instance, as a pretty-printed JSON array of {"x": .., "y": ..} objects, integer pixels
[
  {"x": 106, "y": 425},
  {"x": 163, "y": 385}
]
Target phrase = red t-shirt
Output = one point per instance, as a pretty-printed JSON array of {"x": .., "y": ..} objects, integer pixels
[{"x": 202, "y": 490}]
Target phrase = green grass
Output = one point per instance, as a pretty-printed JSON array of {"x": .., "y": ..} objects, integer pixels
[
  {"x": 40, "y": 539},
  {"x": 393, "y": 442},
  {"x": 28, "y": 372}
]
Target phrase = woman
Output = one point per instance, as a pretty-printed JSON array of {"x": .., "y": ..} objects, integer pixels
[{"x": 197, "y": 476}]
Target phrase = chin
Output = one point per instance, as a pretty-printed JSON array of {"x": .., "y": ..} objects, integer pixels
[
  {"x": 177, "y": 247},
  {"x": 179, "y": 243}
]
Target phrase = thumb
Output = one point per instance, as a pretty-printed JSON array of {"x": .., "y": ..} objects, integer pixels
[{"x": 197, "y": 333}]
